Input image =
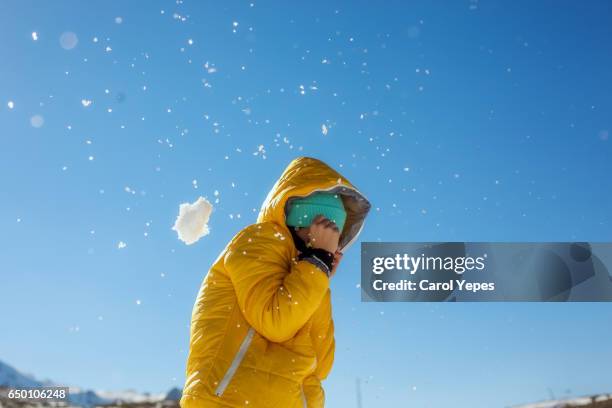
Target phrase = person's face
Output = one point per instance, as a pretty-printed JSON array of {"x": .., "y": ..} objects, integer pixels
[{"x": 303, "y": 233}]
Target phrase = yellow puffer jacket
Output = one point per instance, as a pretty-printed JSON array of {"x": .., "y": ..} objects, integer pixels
[{"x": 262, "y": 333}]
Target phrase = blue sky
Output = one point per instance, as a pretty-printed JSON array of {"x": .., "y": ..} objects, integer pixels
[{"x": 466, "y": 121}]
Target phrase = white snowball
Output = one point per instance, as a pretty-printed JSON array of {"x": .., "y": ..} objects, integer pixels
[{"x": 192, "y": 221}]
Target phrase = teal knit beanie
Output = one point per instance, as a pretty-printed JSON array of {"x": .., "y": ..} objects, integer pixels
[{"x": 303, "y": 210}]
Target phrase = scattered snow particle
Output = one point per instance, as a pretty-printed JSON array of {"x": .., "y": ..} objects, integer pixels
[
  {"x": 121, "y": 245},
  {"x": 406, "y": 168},
  {"x": 18, "y": 219},
  {"x": 194, "y": 182},
  {"x": 34, "y": 36},
  {"x": 68, "y": 40},
  {"x": 324, "y": 129},
  {"x": 138, "y": 302},
  {"x": 190, "y": 41},
  {"x": 90, "y": 158},
  {"x": 192, "y": 221},
  {"x": 10, "y": 104},
  {"x": 86, "y": 102},
  {"x": 108, "y": 48},
  {"x": 210, "y": 68},
  {"x": 37, "y": 121},
  {"x": 261, "y": 150},
  {"x": 118, "y": 20}
]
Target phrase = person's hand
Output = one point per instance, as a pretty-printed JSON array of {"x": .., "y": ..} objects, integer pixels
[
  {"x": 337, "y": 258},
  {"x": 324, "y": 234}
]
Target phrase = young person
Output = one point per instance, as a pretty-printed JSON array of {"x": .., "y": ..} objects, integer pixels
[{"x": 262, "y": 333}]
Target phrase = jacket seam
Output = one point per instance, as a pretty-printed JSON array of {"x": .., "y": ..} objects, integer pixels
[{"x": 225, "y": 330}]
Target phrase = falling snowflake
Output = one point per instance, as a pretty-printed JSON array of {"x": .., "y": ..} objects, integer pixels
[
  {"x": 121, "y": 245},
  {"x": 261, "y": 151},
  {"x": 210, "y": 68}
]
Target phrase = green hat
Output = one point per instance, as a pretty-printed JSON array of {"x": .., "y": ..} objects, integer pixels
[{"x": 303, "y": 210}]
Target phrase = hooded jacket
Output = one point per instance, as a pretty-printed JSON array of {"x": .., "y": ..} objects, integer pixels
[{"x": 262, "y": 333}]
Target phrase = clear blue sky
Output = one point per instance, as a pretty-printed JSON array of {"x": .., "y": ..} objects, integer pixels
[{"x": 500, "y": 112}]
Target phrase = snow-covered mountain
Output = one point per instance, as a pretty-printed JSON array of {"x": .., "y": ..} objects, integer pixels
[
  {"x": 9, "y": 377},
  {"x": 12, "y": 378},
  {"x": 572, "y": 402}
]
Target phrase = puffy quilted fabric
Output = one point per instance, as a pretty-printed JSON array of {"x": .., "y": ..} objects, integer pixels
[{"x": 262, "y": 333}]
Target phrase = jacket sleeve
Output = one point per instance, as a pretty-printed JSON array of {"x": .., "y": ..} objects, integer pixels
[
  {"x": 322, "y": 334},
  {"x": 277, "y": 295}
]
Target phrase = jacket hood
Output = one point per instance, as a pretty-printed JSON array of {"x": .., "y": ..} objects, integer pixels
[{"x": 302, "y": 177}]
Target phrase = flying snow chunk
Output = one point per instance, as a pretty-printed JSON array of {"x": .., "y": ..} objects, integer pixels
[
  {"x": 68, "y": 40},
  {"x": 34, "y": 36},
  {"x": 121, "y": 245},
  {"x": 86, "y": 102},
  {"x": 324, "y": 129},
  {"x": 192, "y": 221},
  {"x": 10, "y": 104}
]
